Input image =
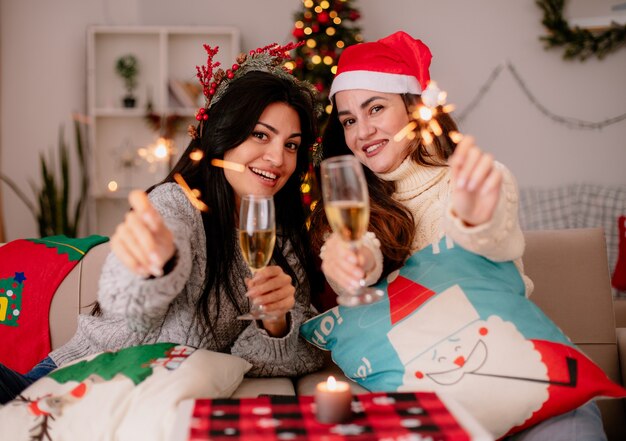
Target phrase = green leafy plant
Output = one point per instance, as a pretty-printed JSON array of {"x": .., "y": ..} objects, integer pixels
[
  {"x": 53, "y": 210},
  {"x": 127, "y": 67}
]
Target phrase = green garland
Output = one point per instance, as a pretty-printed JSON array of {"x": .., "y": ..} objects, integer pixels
[{"x": 579, "y": 43}]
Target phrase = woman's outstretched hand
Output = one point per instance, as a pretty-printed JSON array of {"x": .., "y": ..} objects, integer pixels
[
  {"x": 476, "y": 183},
  {"x": 273, "y": 288},
  {"x": 142, "y": 242},
  {"x": 343, "y": 265}
]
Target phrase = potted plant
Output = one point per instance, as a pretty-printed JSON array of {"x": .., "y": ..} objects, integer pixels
[
  {"x": 127, "y": 67},
  {"x": 54, "y": 212}
]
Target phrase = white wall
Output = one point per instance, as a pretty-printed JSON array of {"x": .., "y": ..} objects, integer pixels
[{"x": 43, "y": 77}]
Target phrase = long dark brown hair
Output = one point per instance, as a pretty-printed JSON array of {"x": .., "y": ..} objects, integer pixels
[
  {"x": 391, "y": 221},
  {"x": 230, "y": 122}
]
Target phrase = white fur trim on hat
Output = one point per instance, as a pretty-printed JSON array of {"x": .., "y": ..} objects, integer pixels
[{"x": 376, "y": 81}]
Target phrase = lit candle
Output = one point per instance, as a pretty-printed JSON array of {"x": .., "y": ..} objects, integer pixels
[{"x": 333, "y": 401}]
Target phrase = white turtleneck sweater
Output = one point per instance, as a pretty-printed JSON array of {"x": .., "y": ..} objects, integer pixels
[{"x": 425, "y": 191}]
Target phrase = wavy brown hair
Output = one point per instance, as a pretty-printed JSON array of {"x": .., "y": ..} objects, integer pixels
[{"x": 391, "y": 221}]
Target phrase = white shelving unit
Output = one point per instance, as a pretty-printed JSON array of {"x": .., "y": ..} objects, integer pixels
[{"x": 116, "y": 133}]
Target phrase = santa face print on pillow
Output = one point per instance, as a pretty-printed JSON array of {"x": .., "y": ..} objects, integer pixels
[
  {"x": 481, "y": 355},
  {"x": 456, "y": 323}
]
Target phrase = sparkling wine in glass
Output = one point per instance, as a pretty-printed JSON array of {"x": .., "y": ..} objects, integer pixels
[
  {"x": 257, "y": 236},
  {"x": 346, "y": 203}
]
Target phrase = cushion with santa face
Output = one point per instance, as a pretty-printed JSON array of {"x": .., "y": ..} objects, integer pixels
[{"x": 458, "y": 323}]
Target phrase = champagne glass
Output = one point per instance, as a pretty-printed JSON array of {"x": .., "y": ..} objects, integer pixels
[
  {"x": 257, "y": 235},
  {"x": 346, "y": 203}
]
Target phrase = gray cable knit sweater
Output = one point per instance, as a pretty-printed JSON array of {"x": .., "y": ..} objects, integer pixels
[{"x": 140, "y": 311}]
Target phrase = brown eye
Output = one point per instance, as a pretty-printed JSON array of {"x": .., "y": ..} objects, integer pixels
[{"x": 259, "y": 135}]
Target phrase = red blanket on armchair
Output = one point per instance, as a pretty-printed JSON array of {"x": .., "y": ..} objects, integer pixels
[{"x": 30, "y": 272}]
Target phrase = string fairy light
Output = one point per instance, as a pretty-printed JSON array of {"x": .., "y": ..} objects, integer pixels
[{"x": 573, "y": 123}]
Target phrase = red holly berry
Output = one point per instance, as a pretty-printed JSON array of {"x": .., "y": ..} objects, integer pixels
[
  {"x": 235, "y": 67},
  {"x": 230, "y": 75},
  {"x": 205, "y": 117},
  {"x": 354, "y": 15}
]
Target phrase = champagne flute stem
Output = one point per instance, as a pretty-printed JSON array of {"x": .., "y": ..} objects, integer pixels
[{"x": 354, "y": 247}]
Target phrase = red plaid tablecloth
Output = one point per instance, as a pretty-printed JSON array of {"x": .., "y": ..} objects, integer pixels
[{"x": 376, "y": 416}]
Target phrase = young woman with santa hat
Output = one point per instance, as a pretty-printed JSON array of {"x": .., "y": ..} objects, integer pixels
[{"x": 419, "y": 190}]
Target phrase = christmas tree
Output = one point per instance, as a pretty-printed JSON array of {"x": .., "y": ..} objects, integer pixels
[
  {"x": 11, "y": 299},
  {"x": 326, "y": 27}
]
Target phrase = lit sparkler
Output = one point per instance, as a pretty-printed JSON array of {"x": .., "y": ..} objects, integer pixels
[
  {"x": 228, "y": 164},
  {"x": 425, "y": 116},
  {"x": 192, "y": 195}
]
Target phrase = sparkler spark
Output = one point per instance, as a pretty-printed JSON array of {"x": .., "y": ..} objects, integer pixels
[
  {"x": 196, "y": 155},
  {"x": 425, "y": 116},
  {"x": 405, "y": 131},
  {"x": 228, "y": 164},
  {"x": 192, "y": 195}
]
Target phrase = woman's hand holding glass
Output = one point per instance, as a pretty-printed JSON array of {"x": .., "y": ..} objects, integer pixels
[
  {"x": 142, "y": 242},
  {"x": 269, "y": 289},
  {"x": 272, "y": 289},
  {"x": 346, "y": 265},
  {"x": 346, "y": 202},
  {"x": 476, "y": 183}
]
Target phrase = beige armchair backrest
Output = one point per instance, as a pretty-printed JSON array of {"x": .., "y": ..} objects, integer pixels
[
  {"x": 572, "y": 286},
  {"x": 76, "y": 294}
]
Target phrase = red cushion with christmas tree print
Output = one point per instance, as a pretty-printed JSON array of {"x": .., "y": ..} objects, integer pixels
[{"x": 30, "y": 272}]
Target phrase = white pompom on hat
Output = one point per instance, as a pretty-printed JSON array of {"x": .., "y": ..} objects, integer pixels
[{"x": 395, "y": 64}]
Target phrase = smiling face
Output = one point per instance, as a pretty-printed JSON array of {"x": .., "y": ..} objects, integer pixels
[
  {"x": 370, "y": 120},
  {"x": 269, "y": 155}
]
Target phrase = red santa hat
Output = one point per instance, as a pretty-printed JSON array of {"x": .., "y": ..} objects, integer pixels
[{"x": 394, "y": 64}]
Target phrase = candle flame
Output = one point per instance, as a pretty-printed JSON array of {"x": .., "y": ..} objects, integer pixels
[
  {"x": 228, "y": 164},
  {"x": 331, "y": 383}
]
